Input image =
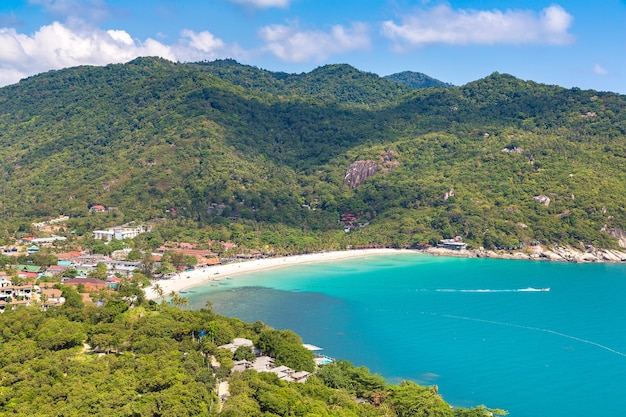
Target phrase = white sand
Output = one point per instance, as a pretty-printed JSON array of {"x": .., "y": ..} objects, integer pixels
[{"x": 185, "y": 280}]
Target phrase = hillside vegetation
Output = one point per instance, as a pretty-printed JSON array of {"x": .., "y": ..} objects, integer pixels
[
  {"x": 149, "y": 360},
  {"x": 260, "y": 157}
]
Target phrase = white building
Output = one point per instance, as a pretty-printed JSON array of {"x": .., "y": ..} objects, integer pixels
[{"x": 119, "y": 232}]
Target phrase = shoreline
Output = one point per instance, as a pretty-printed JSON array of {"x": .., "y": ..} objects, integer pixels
[{"x": 182, "y": 281}]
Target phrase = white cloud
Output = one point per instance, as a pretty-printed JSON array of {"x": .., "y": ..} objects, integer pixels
[
  {"x": 291, "y": 44},
  {"x": 198, "y": 46},
  {"x": 598, "y": 70},
  {"x": 263, "y": 4},
  {"x": 58, "y": 46},
  {"x": 442, "y": 24},
  {"x": 203, "y": 41}
]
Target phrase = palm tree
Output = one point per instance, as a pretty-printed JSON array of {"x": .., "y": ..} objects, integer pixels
[
  {"x": 159, "y": 291},
  {"x": 44, "y": 301},
  {"x": 175, "y": 299}
]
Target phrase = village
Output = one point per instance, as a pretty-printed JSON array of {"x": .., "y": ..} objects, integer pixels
[
  {"x": 91, "y": 274},
  {"x": 95, "y": 276}
]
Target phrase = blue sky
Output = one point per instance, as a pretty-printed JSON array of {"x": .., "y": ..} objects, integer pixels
[{"x": 572, "y": 43}]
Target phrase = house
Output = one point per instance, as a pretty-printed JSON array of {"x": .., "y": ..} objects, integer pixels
[
  {"x": 29, "y": 268},
  {"x": 241, "y": 366},
  {"x": 29, "y": 276},
  {"x": 52, "y": 297},
  {"x": 119, "y": 232},
  {"x": 283, "y": 372},
  {"x": 18, "y": 303},
  {"x": 452, "y": 244},
  {"x": 5, "y": 280},
  {"x": 121, "y": 266},
  {"x": 17, "y": 292},
  {"x": 56, "y": 269},
  {"x": 263, "y": 364},
  {"x": 47, "y": 241},
  {"x": 98, "y": 208},
  {"x": 237, "y": 342},
  {"x": 300, "y": 376},
  {"x": 67, "y": 256},
  {"x": 103, "y": 234},
  {"x": 287, "y": 374}
]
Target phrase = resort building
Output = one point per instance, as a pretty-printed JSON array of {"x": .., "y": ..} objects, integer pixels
[
  {"x": 119, "y": 232},
  {"x": 452, "y": 244}
]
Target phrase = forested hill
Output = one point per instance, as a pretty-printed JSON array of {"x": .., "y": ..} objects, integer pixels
[
  {"x": 336, "y": 83},
  {"x": 416, "y": 80},
  {"x": 282, "y": 160}
]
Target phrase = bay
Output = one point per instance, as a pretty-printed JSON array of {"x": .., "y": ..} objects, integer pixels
[{"x": 480, "y": 329}]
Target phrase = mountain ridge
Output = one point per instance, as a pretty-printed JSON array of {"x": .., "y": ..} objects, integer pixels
[{"x": 151, "y": 135}]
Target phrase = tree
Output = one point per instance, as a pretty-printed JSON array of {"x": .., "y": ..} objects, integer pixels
[
  {"x": 411, "y": 400},
  {"x": 134, "y": 255},
  {"x": 159, "y": 292},
  {"x": 244, "y": 353},
  {"x": 165, "y": 268},
  {"x": 286, "y": 347},
  {"x": 60, "y": 333},
  {"x": 101, "y": 272},
  {"x": 131, "y": 291},
  {"x": 147, "y": 265},
  {"x": 70, "y": 273}
]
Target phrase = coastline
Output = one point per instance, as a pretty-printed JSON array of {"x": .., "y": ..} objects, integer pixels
[{"x": 185, "y": 280}]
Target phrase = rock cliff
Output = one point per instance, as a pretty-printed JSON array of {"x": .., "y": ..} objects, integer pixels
[
  {"x": 558, "y": 253},
  {"x": 359, "y": 171}
]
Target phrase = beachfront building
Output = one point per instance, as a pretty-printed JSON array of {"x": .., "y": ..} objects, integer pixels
[
  {"x": 267, "y": 364},
  {"x": 452, "y": 244}
]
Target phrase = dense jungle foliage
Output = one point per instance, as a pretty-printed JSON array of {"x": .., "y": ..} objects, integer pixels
[
  {"x": 261, "y": 157},
  {"x": 147, "y": 359}
]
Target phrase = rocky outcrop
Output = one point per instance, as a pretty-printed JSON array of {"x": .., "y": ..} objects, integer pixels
[
  {"x": 617, "y": 233},
  {"x": 448, "y": 194},
  {"x": 557, "y": 253},
  {"x": 542, "y": 199},
  {"x": 515, "y": 149},
  {"x": 359, "y": 171}
]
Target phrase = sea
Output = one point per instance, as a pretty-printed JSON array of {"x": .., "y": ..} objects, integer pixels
[{"x": 534, "y": 338}]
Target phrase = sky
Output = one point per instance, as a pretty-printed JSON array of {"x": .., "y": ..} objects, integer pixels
[{"x": 571, "y": 43}]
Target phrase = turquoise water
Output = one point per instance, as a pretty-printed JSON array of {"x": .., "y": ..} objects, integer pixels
[{"x": 474, "y": 327}]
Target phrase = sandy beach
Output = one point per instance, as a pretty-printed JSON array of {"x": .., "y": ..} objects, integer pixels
[{"x": 185, "y": 280}]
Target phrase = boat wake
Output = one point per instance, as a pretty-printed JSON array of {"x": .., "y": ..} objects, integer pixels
[
  {"x": 537, "y": 329},
  {"x": 529, "y": 289}
]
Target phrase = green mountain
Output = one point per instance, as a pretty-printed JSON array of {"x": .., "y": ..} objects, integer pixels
[
  {"x": 331, "y": 83},
  {"x": 416, "y": 80},
  {"x": 280, "y": 159}
]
